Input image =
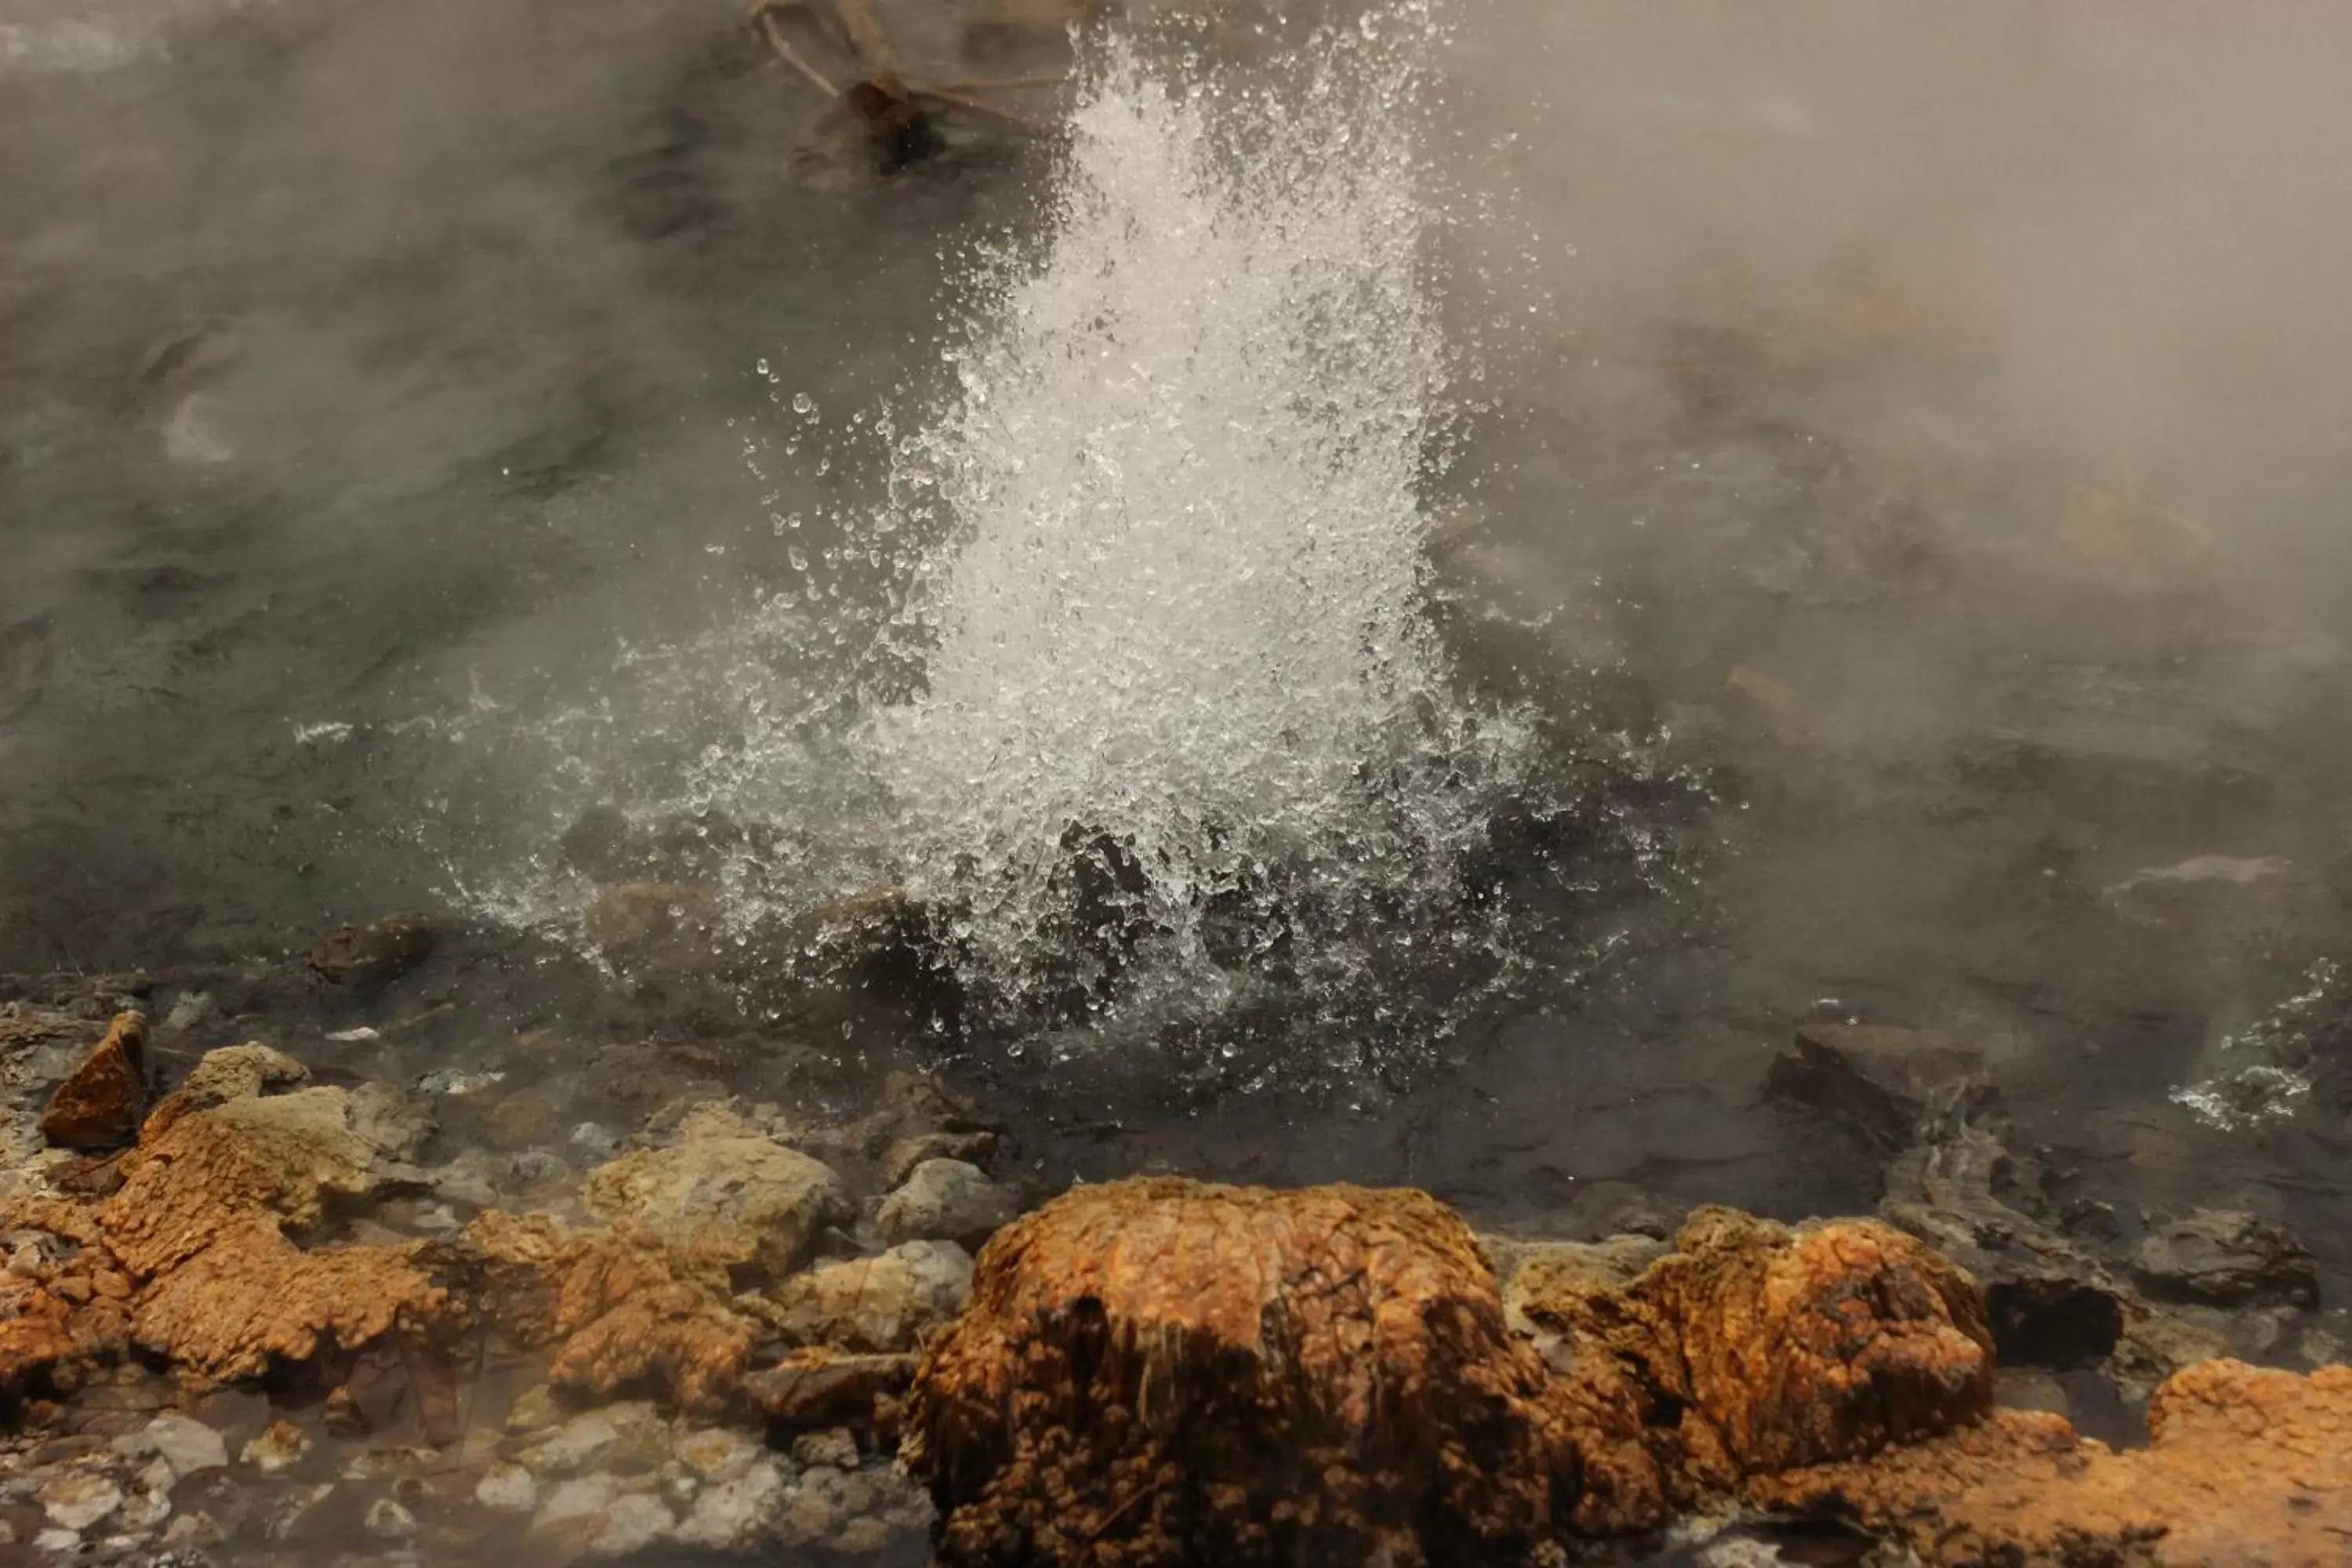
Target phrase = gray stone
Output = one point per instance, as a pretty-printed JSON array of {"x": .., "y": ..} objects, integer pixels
[
  {"x": 875, "y": 1303},
  {"x": 633, "y": 1429},
  {"x": 835, "y": 1446},
  {"x": 899, "y": 1160},
  {"x": 78, "y": 1498},
  {"x": 1878, "y": 1078},
  {"x": 2155, "y": 1345},
  {"x": 736, "y": 1515},
  {"x": 859, "y": 1512},
  {"x": 945, "y": 1200},
  {"x": 508, "y": 1489},
  {"x": 188, "y": 1446},
  {"x": 576, "y": 1499},
  {"x": 387, "y": 1521},
  {"x": 714, "y": 1454},
  {"x": 631, "y": 1524},
  {"x": 2228, "y": 1258},
  {"x": 769, "y": 1202}
]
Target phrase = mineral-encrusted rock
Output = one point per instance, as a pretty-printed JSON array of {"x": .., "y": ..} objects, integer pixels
[
  {"x": 945, "y": 1200},
  {"x": 1161, "y": 1372},
  {"x": 815, "y": 1388},
  {"x": 874, "y": 1304},
  {"x": 619, "y": 1308},
  {"x": 2246, "y": 1467},
  {"x": 2226, "y": 1259},
  {"x": 1879, "y": 1078},
  {"x": 748, "y": 1197},
  {"x": 99, "y": 1106},
  {"x": 1753, "y": 1347}
]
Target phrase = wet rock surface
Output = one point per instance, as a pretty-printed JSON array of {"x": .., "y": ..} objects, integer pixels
[{"x": 311, "y": 1309}]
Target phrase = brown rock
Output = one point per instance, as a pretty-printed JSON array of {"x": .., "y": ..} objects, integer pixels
[
  {"x": 280, "y": 1155},
  {"x": 99, "y": 1106},
  {"x": 2246, "y": 1467},
  {"x": 233, "y": 1072},
  {"x": 618, "y": 1307},
  {"x": 374, "y": 954},
  {"x": 1754, "y": 1347},
  {"x": 251, "y": 1298},
  {"x": 1162, "y": 1372},
  {"x": 816, "y": 1388},
  {"x": 881, "y": 1303},
  {"x": 749, "y": 1197}
]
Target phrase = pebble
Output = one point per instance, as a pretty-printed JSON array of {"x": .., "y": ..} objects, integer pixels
[
  {"x": 575, "y": 1499},
  {"x": 632, "y": 1523},
  {"x": 736, "y": 1514},
  {"x": 79, "y": 1500},
  {"x": 509, "y": 1489},
  {"x": 188, "y": 1446},
  {"x": 387, "y": 1521},
  {"x": 716, "y": 1454},
  {"x": 835, "y": 1446},
  {"x": 945, "y": 1200},
  {"x": 278, "y": 1448}
]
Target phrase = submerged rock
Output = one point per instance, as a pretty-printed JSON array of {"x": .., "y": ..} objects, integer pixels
[
  {"x": 1880, "y": 1079},
  {"x": 374, "y": 954},
  {"x": 2227, "y": 1258},
  {"x": 99, "y": 1106},
  {"x": 2049, "y": 1303}
]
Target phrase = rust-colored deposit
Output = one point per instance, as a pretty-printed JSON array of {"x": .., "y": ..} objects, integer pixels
[
  {"x": 2248, "y": 1465},
  {"x": 1159, "y": 1372}
]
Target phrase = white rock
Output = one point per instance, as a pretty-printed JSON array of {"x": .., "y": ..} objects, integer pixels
[
  {"x": 716, "y": 1454},
  {"x": 738, "y": 1514},
  {"x": 575, "y": 1499},
  {"x": 509, "y": 1489},
  {"x": 58, "y": 1542},
  {"x": 79, "y": 1500},
  {"x": 190, "y": 1446},
  {"x": 631, "y": 1524},
  {"x": 387, "y": 1521}
]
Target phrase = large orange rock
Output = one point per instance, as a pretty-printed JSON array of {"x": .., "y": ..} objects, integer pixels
[
  {"x": 100, "y": 1105},
  {"x": 2247, "y": 1467},
  {"x": 1158, "y": 1372},
  {"x": 1754, "y": 1347}
]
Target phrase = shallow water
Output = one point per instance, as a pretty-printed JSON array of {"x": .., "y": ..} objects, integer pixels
[{"x": 392, "y": 414}]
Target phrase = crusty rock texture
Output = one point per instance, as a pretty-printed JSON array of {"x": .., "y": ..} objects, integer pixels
[
  {"x": 2247, "y": 1467},
  {"x": 1158, "y": 1372},
  {"x": 1161, "y": 1372},
  {"x": 1753, "y": 1347},
  {"x": 99, "y": 1107}
]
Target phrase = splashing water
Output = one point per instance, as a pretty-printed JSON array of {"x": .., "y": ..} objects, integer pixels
[
  {"x": 1128, "y": 680},
  {"x": 1179, "y": 683}
]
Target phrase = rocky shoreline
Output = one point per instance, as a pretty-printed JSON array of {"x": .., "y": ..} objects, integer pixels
[{"x": 268, "y": 1317}]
